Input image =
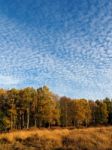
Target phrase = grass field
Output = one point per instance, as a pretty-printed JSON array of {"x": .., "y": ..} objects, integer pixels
[{"x": 99, "y": 138}]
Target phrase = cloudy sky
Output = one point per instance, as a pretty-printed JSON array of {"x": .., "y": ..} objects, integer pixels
[{"x": 65, "y": 44}]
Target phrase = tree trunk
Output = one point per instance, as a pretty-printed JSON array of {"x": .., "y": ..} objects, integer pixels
[
  {"x": 49, "y": 125},
  {"x": 28, "y": 118},
  {"x": 11, "y": 123},
  {"x": 35, "y": 121},
  {"x": 66, "y": 117},
  {"x": 23, "y": 120}
]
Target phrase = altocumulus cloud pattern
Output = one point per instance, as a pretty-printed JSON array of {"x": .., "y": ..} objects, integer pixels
[{"x": 65, "y": 44}]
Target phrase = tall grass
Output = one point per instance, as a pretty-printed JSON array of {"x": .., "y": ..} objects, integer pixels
[{"x": 58, "y": 139}]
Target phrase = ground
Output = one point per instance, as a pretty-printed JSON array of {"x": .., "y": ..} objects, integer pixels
[{"x": 98, "y": 138}]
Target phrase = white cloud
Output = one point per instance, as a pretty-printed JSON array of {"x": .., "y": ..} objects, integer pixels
[
  {"x": 8, "y": 80},
  {"x": 74, "y": 59}
]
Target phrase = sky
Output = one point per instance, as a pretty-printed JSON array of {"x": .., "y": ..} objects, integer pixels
[{"x": 64, "y": 44}]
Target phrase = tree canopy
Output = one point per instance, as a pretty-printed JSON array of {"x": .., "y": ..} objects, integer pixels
[{"x": 29, "y": 107}]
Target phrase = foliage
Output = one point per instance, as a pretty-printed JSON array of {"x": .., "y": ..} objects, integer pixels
[{"x": 29, "y": 107}]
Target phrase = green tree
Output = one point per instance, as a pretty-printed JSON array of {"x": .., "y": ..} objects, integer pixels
[
  {"x": 46, "y": 111},
  {"x": 93, "y": 107},
  {"x": 65, "y": 111},
  {"x": 101, "y": 113},
  {"x": 81, "y": 112},
  {"x": 28, "y": 95},
  {"x": 13, "y": 96},
  {"x": 108, "y": 102}
]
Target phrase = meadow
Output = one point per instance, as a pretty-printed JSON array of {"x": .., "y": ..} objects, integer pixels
[{"x": 97, "y": 138}]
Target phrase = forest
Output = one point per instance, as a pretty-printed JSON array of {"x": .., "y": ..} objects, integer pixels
[{"x": 29, "y": 107}]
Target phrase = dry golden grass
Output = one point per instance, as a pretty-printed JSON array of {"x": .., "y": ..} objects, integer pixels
[{"x": 99, "y": 138}]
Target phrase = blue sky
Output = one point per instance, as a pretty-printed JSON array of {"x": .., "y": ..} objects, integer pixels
[{"x": 65, "y": 44}]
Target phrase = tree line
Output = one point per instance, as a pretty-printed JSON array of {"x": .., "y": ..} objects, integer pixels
[{"x": 29, "y": 107}]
